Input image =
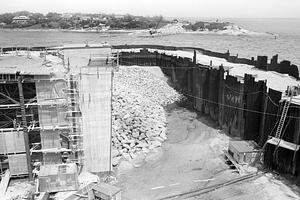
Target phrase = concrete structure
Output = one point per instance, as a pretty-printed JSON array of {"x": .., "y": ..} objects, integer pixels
[
  {"x": 95, "y": 101},
  {"x": 40, "y": 106},
  {"x": 19, "y": 116}
]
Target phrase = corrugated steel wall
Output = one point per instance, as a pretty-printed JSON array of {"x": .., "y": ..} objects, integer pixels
[{"x": 243, "y": 109}]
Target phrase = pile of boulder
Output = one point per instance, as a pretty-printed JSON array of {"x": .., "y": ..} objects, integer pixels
[{"x": 139, "y": 121}]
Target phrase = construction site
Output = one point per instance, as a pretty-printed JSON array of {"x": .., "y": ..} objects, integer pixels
[{"x": 94, "y": 121}]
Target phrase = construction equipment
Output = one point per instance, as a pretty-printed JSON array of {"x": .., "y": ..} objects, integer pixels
[{"x": 154, "y": 31}]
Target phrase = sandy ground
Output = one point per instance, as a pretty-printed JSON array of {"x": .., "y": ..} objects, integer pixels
[{"x": 192, "y": 158}]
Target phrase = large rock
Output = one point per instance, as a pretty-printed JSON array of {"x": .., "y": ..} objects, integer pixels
[
  {"x": 155, "y": 144},
  {"x": 114, "y": 153},
  {"x": 116, "y": 161}
]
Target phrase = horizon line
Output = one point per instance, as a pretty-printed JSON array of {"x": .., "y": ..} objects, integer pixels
[{"x": 191, "y": 17}]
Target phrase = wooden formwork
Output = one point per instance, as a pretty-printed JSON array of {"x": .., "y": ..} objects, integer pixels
[
  {"x": 52, "y": 112},
  {"x": 56, "y": 178},
  {"x": 17, "y": 164},
  {"x": 50, "y": 139},
  {"x": 11, "y": 142}
]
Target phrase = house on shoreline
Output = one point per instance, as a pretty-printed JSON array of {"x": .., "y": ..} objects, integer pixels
[{"x": 21, "y": 19}]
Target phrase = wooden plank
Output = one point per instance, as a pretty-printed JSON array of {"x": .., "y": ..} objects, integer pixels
[
  {"x": 43, "y": 196},
  {"x": 2, "y": 143},
  {"x": 4, "y": 184},
  {"x": 18, "y": 164},
  {"x": 58, "y": 178},
  {"x": 106, "y": 189},
  {"x": 50, "y": 139},
  {"x": 82, "y": 191},
  {"x": 51, "y": 93},
  {"x": 15, "y": 141},
  {"x": 91, "y": 195},
  {"x": 284, "y": 144},
  {"x": 265, "y": 99},
  {"x": 237, "y": 166},
  {"x": 12, "y": 142}
]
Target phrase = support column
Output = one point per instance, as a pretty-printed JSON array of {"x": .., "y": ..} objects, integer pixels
[
  {"x": 265, "y": 99},
  {"x": 24, "y": 122},
  {"x": 221, "y": 96}
]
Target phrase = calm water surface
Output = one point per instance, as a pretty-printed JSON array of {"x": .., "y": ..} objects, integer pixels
[{"x": 287, "y": 44}]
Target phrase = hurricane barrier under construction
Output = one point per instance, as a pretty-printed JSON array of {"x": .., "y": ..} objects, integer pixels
[{"x": 247, "y": 109}]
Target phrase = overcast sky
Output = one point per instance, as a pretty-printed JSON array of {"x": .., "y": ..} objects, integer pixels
[{"x": 172, "y": 8}]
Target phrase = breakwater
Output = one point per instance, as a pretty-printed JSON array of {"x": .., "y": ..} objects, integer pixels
[
  {"x": 261, "y": 62},
  {"x": 242, "y": 106}
]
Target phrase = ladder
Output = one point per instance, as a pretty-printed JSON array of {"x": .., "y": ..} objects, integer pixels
[
  {"x": 277, "y": 139},
  {"x": 74, "y": 117},
  {"x": 278, "y": 134},
  {"x": 283, "y": 117}
]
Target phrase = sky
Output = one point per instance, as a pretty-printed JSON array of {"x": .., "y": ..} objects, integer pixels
[{"x": 167, "y": 8}]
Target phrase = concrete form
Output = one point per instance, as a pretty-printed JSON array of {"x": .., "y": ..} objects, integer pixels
[
  {"x": 16, "y": 127},
  {"x": 96, "y": 101},
  {"x": 53, "y": 119},
  {"x": 54, "y": 178}
]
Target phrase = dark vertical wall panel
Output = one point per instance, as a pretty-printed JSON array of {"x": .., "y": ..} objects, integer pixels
[
  {"x": 214, "y": 93},
  {"x": 253, "y": 93},
  {"x": 232, "y": 120},
  {"x": 270, "y": 118}
]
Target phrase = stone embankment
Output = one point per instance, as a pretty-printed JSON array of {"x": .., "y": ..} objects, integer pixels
[{"x": 139, "y": 121}]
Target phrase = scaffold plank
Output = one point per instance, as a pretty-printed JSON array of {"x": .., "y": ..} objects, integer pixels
[
  {"x": 4, "y": 184},
  {"x": 283, "y": 144}
]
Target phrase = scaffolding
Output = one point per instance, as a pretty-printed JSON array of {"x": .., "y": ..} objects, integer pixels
[
  {"x": 75, "y": 118},
  {"x": 50, "y": 114}
]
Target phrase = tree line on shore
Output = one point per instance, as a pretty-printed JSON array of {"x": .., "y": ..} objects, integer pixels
[
  {"x": 53, "y": 20},
  {"x": 101, "y": 21}
]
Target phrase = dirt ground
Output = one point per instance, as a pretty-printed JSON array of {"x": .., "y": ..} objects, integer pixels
[{"x": 192, "y": 158}]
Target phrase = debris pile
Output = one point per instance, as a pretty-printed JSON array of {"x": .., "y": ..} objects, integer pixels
[
  {"x": 19, "y": 190},
  {"x": 139, "y": 121}
]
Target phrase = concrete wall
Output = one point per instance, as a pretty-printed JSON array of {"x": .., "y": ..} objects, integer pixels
[{"x": 95, "y": 99}]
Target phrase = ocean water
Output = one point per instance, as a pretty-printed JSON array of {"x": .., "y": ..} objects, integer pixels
[{"x": 286, "y": 44}]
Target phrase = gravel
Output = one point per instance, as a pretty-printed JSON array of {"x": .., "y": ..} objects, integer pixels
[{"x": 139, "y": 121}]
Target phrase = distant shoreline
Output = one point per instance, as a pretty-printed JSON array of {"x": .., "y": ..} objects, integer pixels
[
  {"x": 74, "y": 31},
  {"x": 142, "y": 32}
]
